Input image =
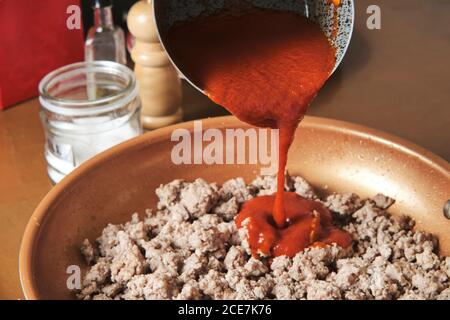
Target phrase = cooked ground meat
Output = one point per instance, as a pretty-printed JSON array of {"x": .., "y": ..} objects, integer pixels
[{"x": 190, "y": 248}]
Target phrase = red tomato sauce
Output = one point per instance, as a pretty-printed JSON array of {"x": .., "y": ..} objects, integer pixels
[
  {"x": 265, "y": 67},
  {"x": 308, "y": 223}
]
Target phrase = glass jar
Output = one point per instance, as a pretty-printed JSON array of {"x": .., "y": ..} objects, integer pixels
[{"x": 87, "y": 108}]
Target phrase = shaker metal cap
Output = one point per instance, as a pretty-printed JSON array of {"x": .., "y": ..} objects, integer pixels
[{"x": 101, "y": 3}]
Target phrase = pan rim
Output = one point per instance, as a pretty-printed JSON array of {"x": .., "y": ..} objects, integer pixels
[{"x": 32, "y": 229}]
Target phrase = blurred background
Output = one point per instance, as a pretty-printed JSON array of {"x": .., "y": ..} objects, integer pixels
[
  {"x": 395, "y": 79},
  {"x": 121, "y": 8}
]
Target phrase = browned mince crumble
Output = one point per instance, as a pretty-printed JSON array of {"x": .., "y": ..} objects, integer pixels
[{"x": 190, "y": 248}]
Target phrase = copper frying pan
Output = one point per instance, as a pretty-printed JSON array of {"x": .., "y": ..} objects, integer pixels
[{"x": 335, "y": 156}]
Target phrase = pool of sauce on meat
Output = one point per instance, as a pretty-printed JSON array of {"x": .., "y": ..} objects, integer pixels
[{"x": 265, "y": 67}]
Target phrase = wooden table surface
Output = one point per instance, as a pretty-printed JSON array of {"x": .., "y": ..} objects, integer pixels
[{"x": 395, "y": 79}]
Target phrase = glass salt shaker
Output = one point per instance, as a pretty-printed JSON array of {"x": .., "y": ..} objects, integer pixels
[
  {"x": 105, "y": 41},
  {"x": 87, "y": 108}
]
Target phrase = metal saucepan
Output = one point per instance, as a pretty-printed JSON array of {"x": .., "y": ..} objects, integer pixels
[{"x": 169, "y": 12}]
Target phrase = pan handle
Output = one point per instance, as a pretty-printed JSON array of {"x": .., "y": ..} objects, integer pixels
[{"x": 447, "y": 210}]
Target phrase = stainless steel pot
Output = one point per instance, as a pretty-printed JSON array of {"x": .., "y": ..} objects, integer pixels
[{"x": 169, "y": 12}]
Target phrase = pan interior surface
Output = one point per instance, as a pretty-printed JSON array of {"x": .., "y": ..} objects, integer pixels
[{"x": 334, "y": 156}]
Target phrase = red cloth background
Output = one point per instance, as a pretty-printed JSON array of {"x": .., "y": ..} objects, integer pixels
[{"x": 34, "y": 40}]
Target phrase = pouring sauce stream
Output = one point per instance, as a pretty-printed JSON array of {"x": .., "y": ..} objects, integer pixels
[{"x": 265, "y": 67}]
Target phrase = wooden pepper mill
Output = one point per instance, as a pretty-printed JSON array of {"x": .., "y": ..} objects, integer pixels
[{"x": 159, "y": 83}]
